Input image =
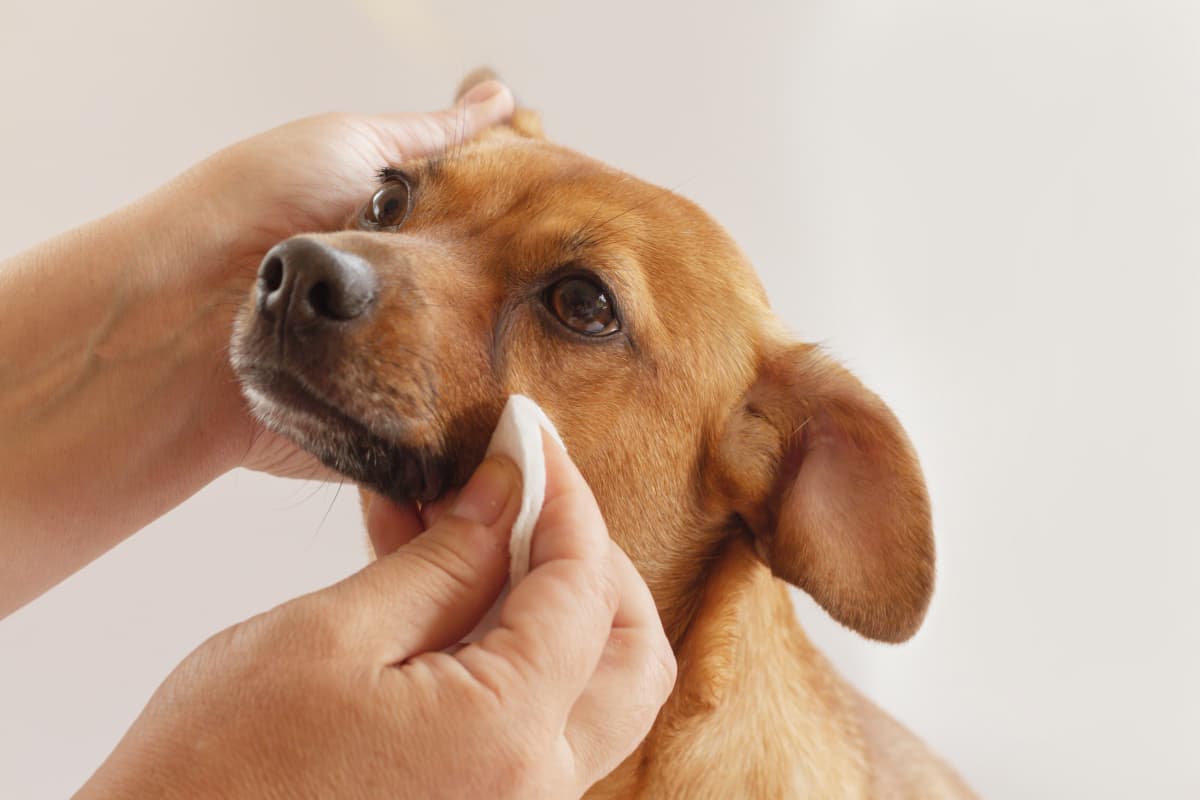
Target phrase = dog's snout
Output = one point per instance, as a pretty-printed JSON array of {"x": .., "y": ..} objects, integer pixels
[{"x": 303, "y": 282}]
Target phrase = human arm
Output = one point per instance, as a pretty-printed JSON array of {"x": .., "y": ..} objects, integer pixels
[{"x": 117, "y": 401}]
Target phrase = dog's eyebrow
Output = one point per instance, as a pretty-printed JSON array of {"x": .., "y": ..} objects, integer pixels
[
  {"x": 577, "y": 243},
  {"x": 388, "y": 174}
]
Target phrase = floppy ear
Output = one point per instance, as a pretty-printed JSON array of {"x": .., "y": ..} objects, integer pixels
[
  {"x": 525, "y": 121},
  {"x": 827, "y": 481}
]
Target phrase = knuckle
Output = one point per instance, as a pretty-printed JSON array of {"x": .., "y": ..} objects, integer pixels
[
  {"x": 444, "y": 559},
  {"x": 317, "y": 623},
  {"x": 500, "y": 679},
  {"x": 650, "y": 664},
  {"x": 527, "y": 761},
  {"x": 334, "y": 119},
  {"x": 662, "y": 668},
  {"x": 511, "y": 671},
  {"x": 452, "y": 123},
  {"x": 526, "y": 766},
  {"x": 602, "y": 584},
  {"x": 332, "y": 127},
  {"x": 582, "y": 588}
]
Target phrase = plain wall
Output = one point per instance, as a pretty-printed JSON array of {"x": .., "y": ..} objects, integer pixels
[{"x": 989, "y": 210}]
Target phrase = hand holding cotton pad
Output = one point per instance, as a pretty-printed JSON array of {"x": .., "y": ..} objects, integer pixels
[{"x": 518, "y": 436}]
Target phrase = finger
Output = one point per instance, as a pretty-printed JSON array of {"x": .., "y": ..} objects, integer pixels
[
  {"x": 408, "y": 135},
  {"x": 432, "y": 512},
  {"x": 390, "y": 526},
  {"x": 554, "y": 624},
  {"x": 632, "y": 681},
  {"x": 432, "y": 591},
  {"x": 570, "y": 526}
]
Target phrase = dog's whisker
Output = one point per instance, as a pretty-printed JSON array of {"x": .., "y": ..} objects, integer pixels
[
  {"x": 661, "y": 194},
  {"x": 600, "y": 203},
  {"x": 325, "y": 516},
  {"x": 310, "y": 486}
]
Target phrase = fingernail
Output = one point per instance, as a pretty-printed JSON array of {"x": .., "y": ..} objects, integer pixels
[
  {"x": 553, "y": 437},
  {"x": 480, "y": 93},
  {"x": 483, "y": 499}
]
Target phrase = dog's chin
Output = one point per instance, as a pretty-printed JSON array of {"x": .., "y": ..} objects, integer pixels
[{"x": 290, "y": 406}]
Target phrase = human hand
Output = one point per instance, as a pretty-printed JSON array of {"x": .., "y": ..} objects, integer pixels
[
  {"x": 312, "y": 174},
  {"x": 346, "y": 692},
  {"x": 305, "y": 176}
]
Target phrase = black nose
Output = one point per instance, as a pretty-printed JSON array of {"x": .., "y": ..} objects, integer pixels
[{"x": 304, "y": 283}]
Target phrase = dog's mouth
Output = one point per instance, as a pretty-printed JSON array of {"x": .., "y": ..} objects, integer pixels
[{"x": 290, "y": 405}]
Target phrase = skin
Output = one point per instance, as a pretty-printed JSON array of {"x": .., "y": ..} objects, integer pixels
[
  {"x": 346, "y": 692},
  {"x": 125, "y": 405}
]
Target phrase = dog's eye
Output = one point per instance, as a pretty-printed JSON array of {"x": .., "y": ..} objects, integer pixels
[
  {"x": 583, "y": 306},
  {"x": 390, "y": 205}
]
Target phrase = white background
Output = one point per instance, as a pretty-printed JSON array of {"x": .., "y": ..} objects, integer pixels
[{"x": 989, "y": 210}]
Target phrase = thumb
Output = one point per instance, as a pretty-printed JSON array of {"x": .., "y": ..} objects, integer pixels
[
  {"x": 432, "y": 591},
  {"x": 411, "y": 135}
]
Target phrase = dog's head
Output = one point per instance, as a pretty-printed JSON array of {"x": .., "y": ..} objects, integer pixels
[{"x": 513, "y": 265}]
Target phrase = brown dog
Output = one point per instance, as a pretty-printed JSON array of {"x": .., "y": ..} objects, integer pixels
[{"x": 727, "y": 459}]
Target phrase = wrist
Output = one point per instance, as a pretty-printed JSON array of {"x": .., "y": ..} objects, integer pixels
[
  {"x": 174, "y": 307},
  {"x": 114, "y": 388},
  {"x": 193, "y": 272}
]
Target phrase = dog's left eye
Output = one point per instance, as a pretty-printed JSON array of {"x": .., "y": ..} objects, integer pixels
[
  {"x": 389, "y": 206},
  {"x": 583, "y": 306}
]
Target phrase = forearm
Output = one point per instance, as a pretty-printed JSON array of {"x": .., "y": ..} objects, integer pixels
[{"x": 115, "y": 396}]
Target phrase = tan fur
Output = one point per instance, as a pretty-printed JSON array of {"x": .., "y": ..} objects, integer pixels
[{"x": 722, "y": 453}]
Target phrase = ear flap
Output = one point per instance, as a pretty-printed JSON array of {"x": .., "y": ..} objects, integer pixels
[
  {"x": 525, "y": 121},
  {"x": 826, "y": 479}
]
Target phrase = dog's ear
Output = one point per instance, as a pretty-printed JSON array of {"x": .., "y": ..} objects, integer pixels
[
  {"x": 525, "y": 121},
  {"x": 826, "y": 480}
]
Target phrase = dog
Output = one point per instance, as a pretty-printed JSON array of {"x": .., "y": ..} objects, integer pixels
[{"x": 729, "y": 460}]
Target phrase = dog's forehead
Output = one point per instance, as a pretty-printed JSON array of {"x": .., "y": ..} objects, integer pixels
[
  {"x": 540, "y": 195},
  {"x": 533, "y": 178}
]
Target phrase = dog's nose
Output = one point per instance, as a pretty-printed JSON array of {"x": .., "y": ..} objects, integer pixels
[{"x": 305, "y": 283}]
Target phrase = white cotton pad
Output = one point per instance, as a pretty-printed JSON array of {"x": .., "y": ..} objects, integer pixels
[{"x": 518, "y": 436}]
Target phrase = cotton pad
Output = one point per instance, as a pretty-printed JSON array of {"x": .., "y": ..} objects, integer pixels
[{"x": 518, "y": 436}]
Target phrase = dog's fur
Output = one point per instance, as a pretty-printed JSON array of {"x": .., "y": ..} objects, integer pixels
[{"x": 728, "y": 460}]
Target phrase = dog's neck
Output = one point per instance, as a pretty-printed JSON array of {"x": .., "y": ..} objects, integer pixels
[{"x": 756, "y": 711}]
